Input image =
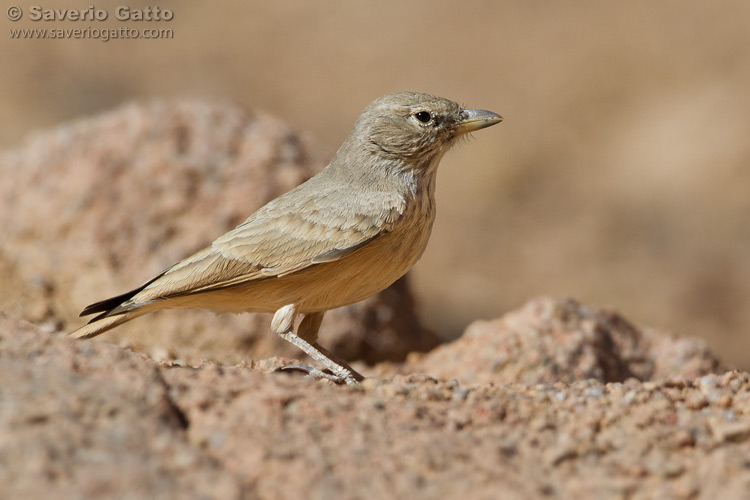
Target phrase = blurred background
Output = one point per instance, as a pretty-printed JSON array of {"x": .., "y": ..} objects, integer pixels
[{"x": 620, "y": 176}]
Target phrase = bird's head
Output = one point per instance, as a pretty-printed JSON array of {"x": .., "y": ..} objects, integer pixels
[{"x": 416, "y": 127}]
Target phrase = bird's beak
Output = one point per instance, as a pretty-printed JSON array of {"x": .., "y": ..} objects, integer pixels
[{"x": 475, "y": 119}]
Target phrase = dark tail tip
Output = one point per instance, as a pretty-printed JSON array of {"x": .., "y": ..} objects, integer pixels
[{"x": 107, "y": 305}]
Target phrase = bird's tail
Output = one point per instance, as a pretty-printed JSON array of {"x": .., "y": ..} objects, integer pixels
[
  {"x": 101, "y": 325},
  {"x": 112, "y": 312}
]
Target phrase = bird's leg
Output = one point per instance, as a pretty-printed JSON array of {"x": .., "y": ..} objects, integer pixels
[
  {"x": 283, "y": 325},
  {"x": 308, "y": 328}
]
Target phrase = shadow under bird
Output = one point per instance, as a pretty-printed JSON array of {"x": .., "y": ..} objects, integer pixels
[{"x": 343, "y": 235}]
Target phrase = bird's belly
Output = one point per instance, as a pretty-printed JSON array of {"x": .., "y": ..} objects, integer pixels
[{"x": 362, "y": 274}]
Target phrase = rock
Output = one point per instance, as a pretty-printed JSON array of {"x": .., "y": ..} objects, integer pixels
[
  {"x": 85, "y": 419},
  {"x": 561, "y": 340},
  {"x": 96, "y": 207},
  {"x": 89, "y": 419}
]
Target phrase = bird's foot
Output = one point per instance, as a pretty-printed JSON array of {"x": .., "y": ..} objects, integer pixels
[
  {"x": 337, "y": 369},
  {"x": 352, "y": 378}
]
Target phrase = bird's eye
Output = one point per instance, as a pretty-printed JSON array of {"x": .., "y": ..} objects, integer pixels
[{"x": 423, "y": 116}]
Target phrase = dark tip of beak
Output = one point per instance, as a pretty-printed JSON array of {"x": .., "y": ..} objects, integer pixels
[{"x": 476, "y": 119}]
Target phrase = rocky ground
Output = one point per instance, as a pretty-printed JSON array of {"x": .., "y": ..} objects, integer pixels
[
  {"x": 554, "y": 400},
  {"x": 92, "y": 419}
]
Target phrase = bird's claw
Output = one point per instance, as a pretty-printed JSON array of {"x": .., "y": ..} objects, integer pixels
[{"x": 322, "y": 374}]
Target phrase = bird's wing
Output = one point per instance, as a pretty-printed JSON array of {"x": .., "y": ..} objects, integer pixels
[{"x": 281, "y": 238}]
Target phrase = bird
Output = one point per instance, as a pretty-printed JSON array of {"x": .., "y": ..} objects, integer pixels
[{"x": 341, "y": 236}]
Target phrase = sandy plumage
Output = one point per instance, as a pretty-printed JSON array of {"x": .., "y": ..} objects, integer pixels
[{"x": 343, "y": 235}]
